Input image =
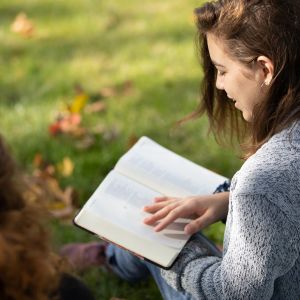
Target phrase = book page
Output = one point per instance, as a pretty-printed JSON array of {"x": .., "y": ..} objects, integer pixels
[
  {"x": 120, "y": 200},
  {"x": 163, "y": 170},
  {"x": 145, "y": 248}
]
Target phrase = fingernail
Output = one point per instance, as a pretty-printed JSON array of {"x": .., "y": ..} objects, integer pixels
[
  {"x": 157, "y": 228},
  {"x": 187, "y": 230}
]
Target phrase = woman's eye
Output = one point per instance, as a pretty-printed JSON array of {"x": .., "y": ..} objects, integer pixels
[{"x": 221, "y": 73}]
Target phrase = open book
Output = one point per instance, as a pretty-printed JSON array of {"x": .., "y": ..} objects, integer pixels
[{"x": 114, "y": 211}]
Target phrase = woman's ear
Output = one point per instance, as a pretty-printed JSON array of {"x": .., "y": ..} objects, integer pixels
[{"x": 267, "y": 67}]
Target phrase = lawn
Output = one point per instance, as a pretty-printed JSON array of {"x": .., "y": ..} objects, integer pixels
[{"x": 139, "y": 59}]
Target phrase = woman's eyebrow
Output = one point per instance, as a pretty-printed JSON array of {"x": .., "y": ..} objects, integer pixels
[{"x": 217, "y": 64}]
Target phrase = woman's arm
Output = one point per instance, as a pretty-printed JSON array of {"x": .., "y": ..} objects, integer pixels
[{"x": 261, "y": 246}]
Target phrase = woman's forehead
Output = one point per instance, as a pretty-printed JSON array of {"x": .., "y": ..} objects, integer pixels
[{"x": 217, "y": 50}]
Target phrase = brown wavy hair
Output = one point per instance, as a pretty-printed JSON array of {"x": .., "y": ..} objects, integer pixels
[
  {"x": 28, "y": 268},
  {"x": 250, "y": 28}
]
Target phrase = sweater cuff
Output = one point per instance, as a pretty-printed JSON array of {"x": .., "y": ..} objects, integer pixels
[
  {"x": 191, "y": 251},
  {"x": 194, "y": 278}
]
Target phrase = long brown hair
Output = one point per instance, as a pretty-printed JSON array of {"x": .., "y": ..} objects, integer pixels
[
  {"x": 28, "y": 268},
  {"x": 250, "y": 28}
]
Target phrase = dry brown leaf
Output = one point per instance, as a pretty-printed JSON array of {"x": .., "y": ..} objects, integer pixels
[
  {"x": 37, "y": 160},
  {"x": 108, "y": 92},
  {"x": 23, "y": 26},
  {"x": 65, "y": 208},
  {"x": 132, "y": 140},
  {"x": 44, "y": 188},
  {"x": 66, "y": 212},
  {"x": 98, "y": 129},
  {"x": 59, "y": 202},
  {"x": 85, "y": 143},
  {"x": 111, "y": 134},
  {"x": 54, "y": 189},
  {"x": 33, "y": 192},
  {"x": 94, "y": 107},
  {"x": 127, "y": 87},
  {"x": 45, "y": 171}
]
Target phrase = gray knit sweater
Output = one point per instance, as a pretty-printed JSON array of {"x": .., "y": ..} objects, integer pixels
[{"x": 262, "y": 237}]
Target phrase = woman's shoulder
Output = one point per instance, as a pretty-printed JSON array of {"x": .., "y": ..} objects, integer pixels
[
  {"x": 273, "y": 171},
  {"x": 274, "y": 167}
]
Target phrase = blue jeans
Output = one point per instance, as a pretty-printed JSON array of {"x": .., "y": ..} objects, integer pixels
[{"x": 132, "y": 269}]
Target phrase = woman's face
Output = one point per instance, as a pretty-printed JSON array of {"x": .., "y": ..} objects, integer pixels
[{"x": 245, "y": 86}]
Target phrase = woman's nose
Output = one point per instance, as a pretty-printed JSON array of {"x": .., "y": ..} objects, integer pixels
[{"x": 219, "y": 83}]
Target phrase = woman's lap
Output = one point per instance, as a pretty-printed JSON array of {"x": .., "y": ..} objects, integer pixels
[{"x": 132, "y": 269}]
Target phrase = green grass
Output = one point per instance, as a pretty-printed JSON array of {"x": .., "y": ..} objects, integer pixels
[{"x": 98, "y": 44}]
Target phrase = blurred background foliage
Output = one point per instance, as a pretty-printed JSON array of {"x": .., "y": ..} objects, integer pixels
[{"x": 125, "y": 69}]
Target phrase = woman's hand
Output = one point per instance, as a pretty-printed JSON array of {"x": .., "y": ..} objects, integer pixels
[{"x": 205, "y": 210}]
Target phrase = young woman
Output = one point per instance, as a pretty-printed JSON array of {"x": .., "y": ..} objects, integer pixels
[{"x": 250, "y": 52}]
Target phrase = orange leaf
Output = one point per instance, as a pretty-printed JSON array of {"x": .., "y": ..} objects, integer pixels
[
  {"x": 22, "y": 25},
  {"x": 69, "y": 123},
  {"x": 37, "y": 160},
  {"x": 54, "y": 128}
]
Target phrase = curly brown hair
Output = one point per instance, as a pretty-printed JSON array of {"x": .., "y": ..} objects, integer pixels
[
  {"x": 28, "y": 267},
  {"x": 250, "y": 29}
]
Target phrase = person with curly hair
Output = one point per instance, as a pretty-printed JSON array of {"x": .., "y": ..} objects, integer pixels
[{"x": 29, "y": 269}]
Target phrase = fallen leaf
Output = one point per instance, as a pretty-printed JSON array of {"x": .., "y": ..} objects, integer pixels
[
  {"x": 132, "y": 140},
  {"x": 65, "y": 208},
  {"x": 37, "y": 160},
  {"x": 44, "y": 171},
  {"x": 67, "y": 123},
  {"x": 86, "y": 142},
  {"x": 94, "y": 107},
  {"x": 65, "y": 167},
  {"x": 23, "y": 26},
  {"x": 44, "y": 188},
  {"x": 70, "y": 122},
  {"x": 78, "y": 103},
  {"x": 127, "y": 87},
  {"x": 99, "y": 129},
  {"x": 33, "y": 191},
  {"x": 54, "y": 128},
  {"x": 108, "y": 92},
  {"x": 111, "y": 134}
]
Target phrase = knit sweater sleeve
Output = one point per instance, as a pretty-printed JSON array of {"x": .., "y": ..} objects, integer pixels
[{"x": 262, "y": 247}]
